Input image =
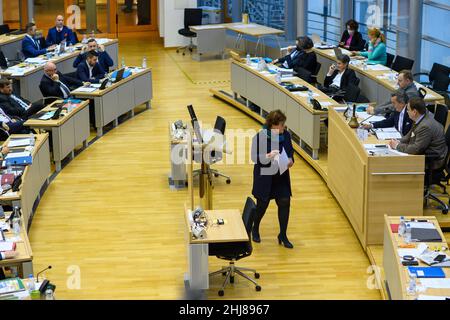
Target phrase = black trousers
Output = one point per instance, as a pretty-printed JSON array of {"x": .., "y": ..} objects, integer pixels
[{"x": 283, "y": 204}]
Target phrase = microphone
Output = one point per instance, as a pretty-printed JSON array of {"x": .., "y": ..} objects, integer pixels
[{"x": 37, "y": 275}]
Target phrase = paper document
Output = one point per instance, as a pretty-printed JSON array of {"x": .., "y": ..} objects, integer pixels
[
  {"x": 18, "y": 155},
  {"x": 326, "y": 103},
  {"x": 19, "y": 142},
  {"x": 283, "y": 161},
  {"x": 85, "y": 89},
  {"x": 7, "y": 246},
  {"x": 245, "y": 26},
  {"x": 305, "y": 94},
  {"x": 35, "y": 60},
  {"x": 339, "y": 109},
  {"x": 436, "y": 283},
  {"x": 415, "y": 252},
  {"x": 377, "y": 67},
  {"x": 387, "y": 133},
  {"x": 102, "y": 40},
  {"x": 425, "y": 297}
]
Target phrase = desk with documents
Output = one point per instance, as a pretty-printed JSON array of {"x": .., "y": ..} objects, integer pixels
[
  {"x": 119, "y": 98},
  {"x": 69, "y": 131},
  {"x": 397, "y": 277},
  {"x": 28, "y": 75},
  {"x": 233, "y": 230},
  {"x": 10, "y": 45}
]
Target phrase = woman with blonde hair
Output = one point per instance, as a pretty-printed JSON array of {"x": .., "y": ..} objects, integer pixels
[{"x": 377, "y": 48}]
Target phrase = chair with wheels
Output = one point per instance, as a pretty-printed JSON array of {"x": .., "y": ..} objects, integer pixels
[
  {"x": 192, "y": 17},
  {"x": 401, "y": 63},
  {"x": 235, "y": 251}
]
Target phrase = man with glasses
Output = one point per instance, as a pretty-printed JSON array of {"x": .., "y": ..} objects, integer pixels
[
  {"x": 55, "y": 84},
  {"x": 426, "y": 136},
  {"x": 14, "y": 105}
]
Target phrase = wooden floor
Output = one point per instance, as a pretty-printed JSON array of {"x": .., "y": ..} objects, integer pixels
[{"x": 111, "y": 216}]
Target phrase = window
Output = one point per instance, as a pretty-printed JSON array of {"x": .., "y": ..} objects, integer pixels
[
  {"x": 324, "y": 19},
  {"x": 435, "y": 35},
  {"x": 210, "y": 3},
  {"x": 266, "y": 12}
]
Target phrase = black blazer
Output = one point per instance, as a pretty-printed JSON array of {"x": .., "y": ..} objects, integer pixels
[
  {"x": 83, "y": 73},
  {"x": 267, "y": 186},
  {"x": 357, "y": 43},
  {"x": 50, "y": 88},
  {"x": 305, "y": 60},
  {"x": 392, "y": 121},
  {"x": 11, "y": 107},
  {"x": 349, "y": 77}
]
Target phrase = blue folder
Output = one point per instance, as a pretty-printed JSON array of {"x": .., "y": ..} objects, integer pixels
[
  {"x": 126, "y": 74},
  {"x": 427, "y": 272}
]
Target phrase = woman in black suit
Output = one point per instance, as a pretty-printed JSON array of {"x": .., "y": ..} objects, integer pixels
[
  {"x": 351, "y": 38},
  {"x": 339, "y": 76},
  {"x": 271, "y": 142},
  {"x": 300, "y": 56}
]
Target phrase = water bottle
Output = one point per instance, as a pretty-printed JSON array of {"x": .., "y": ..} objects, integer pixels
[
  {"x": 49, "y": 294},
  {"x": 249, "y": 61},
  {"x": 92, "y": 34},
  {"x": 407, "y": 235},
  {"x": 144, "y": 62},
  {"x": 85, "y": 40},
  {"x": 32, "y": 139},
  {"x": 412, "y": 284},
  {"x": 31, "y": 285},
  {"x": 310, "y": 96},
  {"x": 402, "y": 226},
  {"x": 278, "y": 77},
  {"x": 16, "y": 226},
  {"x": 123, "y": 62}
]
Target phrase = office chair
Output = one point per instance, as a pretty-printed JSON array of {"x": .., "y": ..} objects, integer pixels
[
  {"x": 422, "y": 92},
  {"x": 349, "y": 94},
  {"x": 234, "y": 251},
  {"x": 435, "y": 176},
  {"x": 303, "y": 74},
  {"x": 401, "y": 63},
  {"x": 441, "y": 83},
  {"x": 390, "y": 59},
  {"x": 436, "y": 70},
  {"x": 316, "y": 72},
  {"x": 4, "y": 29},
  {"x": 440, "y": 112},
  {"x": 216, "y": 156},
  {"x": 357, "y": 82},
  {"x": 192, "y": 17}
]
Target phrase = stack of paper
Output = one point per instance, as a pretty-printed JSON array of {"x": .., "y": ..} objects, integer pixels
[
  {"x": 387, "y": 133},
  {"x": 19, "y": 142},
  {"x": 377, "y": 67},
  {"x": 85, "y": 89},
  {"x": 305, "y": 94},
  {"x": 436, "y": 283}
]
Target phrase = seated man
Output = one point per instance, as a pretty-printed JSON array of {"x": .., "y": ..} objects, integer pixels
[
  {"x": 55, "y": 84},
  {"x": 59, "y": 33},
  {"x": 339, "y": 76},
  {"x": 12, "y": 125},
  {"x": 425, "y": 137},
  {"x": 90, "y": 70},
  {"x": 301, "y": 56},
  {"x": 399, "y": 118},
  {"x": 16, "y": 106},
  {"x": 104, "y": 59},
  {"x": 406, "y": 85},
  {"x": 30, "y": 45}
]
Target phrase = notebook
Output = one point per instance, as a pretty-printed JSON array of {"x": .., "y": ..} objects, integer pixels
[
  {"x": 425, "y": 235},
  {"x": 427, "y": 272}
]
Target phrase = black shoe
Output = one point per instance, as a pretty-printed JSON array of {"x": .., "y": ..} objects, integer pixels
[
  {"x": 286, "y": 242},
  {"x": 256, "y": 237}
]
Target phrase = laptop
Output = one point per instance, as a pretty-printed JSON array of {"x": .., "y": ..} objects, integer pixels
[
  {"x": 62, "y": 47},
  {"x": 316, "y": 38},
  {"x": 119, "y": 75},
  {"x": 337, "y": 52}
]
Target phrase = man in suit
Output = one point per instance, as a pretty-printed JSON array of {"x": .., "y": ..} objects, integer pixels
[
  {"x": 104, "y": 59},
  {"x": 300, "y": 56},
  {"x": 59, "y": 33},
  {"x": 14, "y": 105},
  {"x": 30, "y": 45},
  {"x": 399, "y": 118},
  {"x": 406, "y": 85},
  {"x": 55, "y": 84},
  {"x": 90, "y": 70},
  {"x": 339, "y": 76},
  {"x": 425, "y": 137}
]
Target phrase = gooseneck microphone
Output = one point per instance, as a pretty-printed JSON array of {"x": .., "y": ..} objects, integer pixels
[{"x": 37, "y": 275}]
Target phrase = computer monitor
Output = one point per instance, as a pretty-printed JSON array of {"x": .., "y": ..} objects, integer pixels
[
  {"x": 337, "y": 52},
  {"x": 195, "y": 124},
  {"x": 316, "y": 38}
]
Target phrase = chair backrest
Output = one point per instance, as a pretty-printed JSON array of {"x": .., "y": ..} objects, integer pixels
[
  {"x": 401, "y": 63},
  {"x": 441, "y": 82},
  {"x": 422, "y": 92},
  {"x": 220, "y": 125},
  {"x": 4, "y": 28},
  {"x": 318, "y": 66},
  {"x": 3, "y": 62},
  {"x": 192, "y": 17},
  {"x": 390, "y": 59},
  {"x": 440, "y": 114},
  {"x": 438, "y": 70},
  {"x": 304, "y": 74},
  {"x": 357, "y": 81},
  {"x": 352, "y": 93},
  {"x": 248, "y": 214}
]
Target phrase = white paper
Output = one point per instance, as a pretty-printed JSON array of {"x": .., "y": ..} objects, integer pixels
[
  {"x": 17, "y": 155},
  {"x": 415, "y": 252},
  {"x": 35, "y": 60},
  {"x": 19, "y": 142},
  {"x": 436, "y": 283},
  {"x": 426, "y": 297},
  {"x": 85, "y": 89},
  {"x": 327, "y": 104},
  {"x": 340, "y": 108},
  {"x": 6, "y": 246},
  {"x": 377, "y": 67},
  {"x": 387, "y": 133},
  {"x": 422, "y": 225},
  {"x": 283, "y": 161},
  {"x": 102, "y": 40},
  {"x": 245, "y": 26},
  {"x": 305, "y": 94}
]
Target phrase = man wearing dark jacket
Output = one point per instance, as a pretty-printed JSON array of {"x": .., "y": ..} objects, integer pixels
[
  {"x": 339, "y": 76},
  {"x": 104, "y": 59},
  {"x": 300, "y": 56},
  {"x": 14, "y": 105},
  {"x": 90, "y": 70},
  {"x": 55, "y": 84}
]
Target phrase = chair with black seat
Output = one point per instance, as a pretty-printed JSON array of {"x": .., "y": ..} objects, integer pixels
[
  {"x": 389, "y": 60},
  {"x": 351, "y": 93},
  {"x": 316, "y": 72},
  {"x": 401, "y": 63},
  {"x": 441, "y": 83},
  {"x": 234, "y": 251},
  {"x": 436, "y": 70},
  {"x": 440, "y": 112},
  {"x": 435, "y": 177},
  {"x": 192, "y": 17},
  {"x": 303, "y": 74},
  {"x": 4, "y": 29},
  {"x": 422, "y": 92}
]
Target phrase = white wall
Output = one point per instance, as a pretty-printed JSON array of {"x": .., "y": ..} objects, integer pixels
[
  {"x": 160, "y": 17},
  {"x": 171, "y": 20}
]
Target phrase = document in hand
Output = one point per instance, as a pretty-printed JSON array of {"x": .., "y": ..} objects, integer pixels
[
  {"x": 387, "y": 133},
  {"x": 283, "y": 161}
]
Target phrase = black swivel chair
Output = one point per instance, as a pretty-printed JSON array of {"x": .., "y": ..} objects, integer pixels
[
  {"x": 192, "y": 17},
  {"x": 390, "y": 59},
  {"x": 440, "y": 112},
  {"x": 304, "y": 74},
  {"x": 316, "y": 72},
  {"x": 435, "y": 176},
  {"x": 235, "y": 251},
  {"x": 4, "y": 29},
  {"x": 437, "y": 71},
  {"x": 401, "y": 63},
  {"x": 422, "y": 92}
]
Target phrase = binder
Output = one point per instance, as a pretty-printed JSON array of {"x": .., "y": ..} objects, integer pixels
[
  {"x": 427, "y": 272},
  {"x": 425, "y": 235}
]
